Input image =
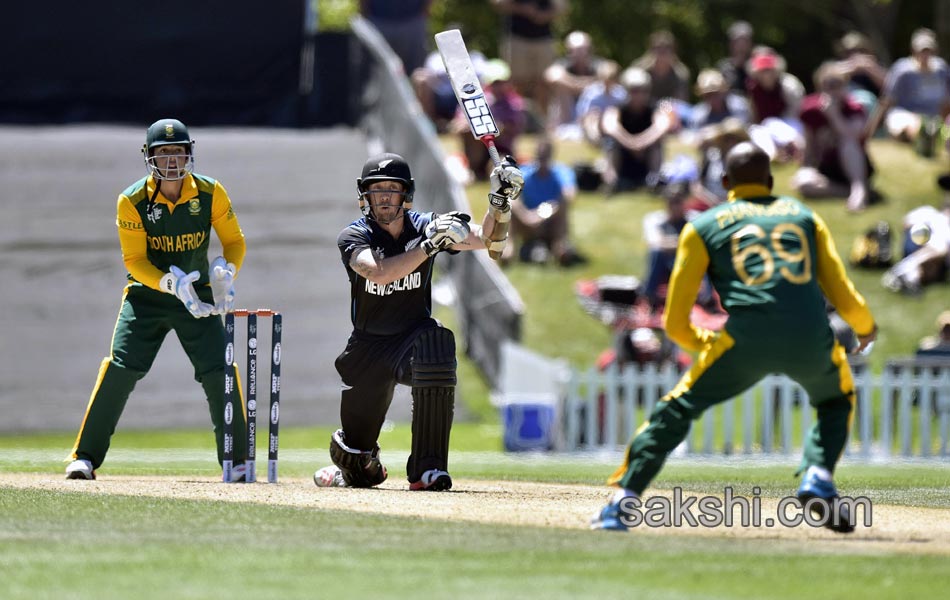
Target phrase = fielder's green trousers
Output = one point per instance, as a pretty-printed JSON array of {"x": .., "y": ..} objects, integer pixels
[
  {"x": 145, "y": 318},
  {"x": 742, "y": 355}
]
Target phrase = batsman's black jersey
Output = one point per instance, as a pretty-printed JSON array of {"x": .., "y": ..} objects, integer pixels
[{"x": 399, "y": 306}]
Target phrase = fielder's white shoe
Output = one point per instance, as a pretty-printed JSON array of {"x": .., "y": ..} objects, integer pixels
[
  {"x": 330, "y": 476},
  {"x": 80, "y": 469}
]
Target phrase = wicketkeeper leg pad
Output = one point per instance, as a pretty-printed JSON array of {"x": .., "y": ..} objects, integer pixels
[
  {"x": 360, "y": 468},
  {"x": 433, "y": 401}
]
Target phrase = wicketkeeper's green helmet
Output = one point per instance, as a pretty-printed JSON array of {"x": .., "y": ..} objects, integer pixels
[{"x": 167, "y": 132}]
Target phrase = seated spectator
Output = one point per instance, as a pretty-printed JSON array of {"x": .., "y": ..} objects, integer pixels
[
  {"x": 434, "y": 89},
  {"x": 668, "y": 74},
  {"x": 636, "y": 130},
  {"x": 937, "y": 345},
  {"x": 568, "y": 77},
  {"x": 539, "y": 217},
  {"x": 717, "y": 101},
  {"x": 715, "y": 143},
  {"x": 926, "y": 258},
  {"x": 733, "y": 67},
  {"x": 507, "y": 107},
  {"x": 916, "y": 95},
  {"x": 864, "y": 70},
  {"x": 661, "y": 231},
  {"x": 775, "y": 100},
  {"x": 836, "y": 162},
  {"x": 597, "y": 97}
]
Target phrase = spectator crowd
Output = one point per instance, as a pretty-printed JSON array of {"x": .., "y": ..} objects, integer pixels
[{"x": 631, "y": 114}]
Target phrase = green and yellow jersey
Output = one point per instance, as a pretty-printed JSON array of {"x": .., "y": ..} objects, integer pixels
[
  {"x": 771, "y": 259},
  {"x": 156, "y": 233}
]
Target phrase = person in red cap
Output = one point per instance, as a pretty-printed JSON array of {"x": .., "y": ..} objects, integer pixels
[
  {"x": 772, "y": 92},
  {"x": 774, "y": 100}
]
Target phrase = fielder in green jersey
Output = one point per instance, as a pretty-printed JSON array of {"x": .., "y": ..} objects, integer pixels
[
  {"x": 164, "y": 222},
  {"x": 772, "y": 260}
]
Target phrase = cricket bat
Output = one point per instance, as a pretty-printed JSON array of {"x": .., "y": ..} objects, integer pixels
[{"x": 471, "y": 97}]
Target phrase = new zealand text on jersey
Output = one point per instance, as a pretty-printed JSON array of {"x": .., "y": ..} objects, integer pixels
[
  {"x": 177, "y": 243},
  {"x": 411, "y": 281}
]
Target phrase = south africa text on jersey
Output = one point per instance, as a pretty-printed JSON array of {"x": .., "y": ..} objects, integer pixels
[
  {"x": 178, "y": 243},
  {"x": 411, "y": 281}
]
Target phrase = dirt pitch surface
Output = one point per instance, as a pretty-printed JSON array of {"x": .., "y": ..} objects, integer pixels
[{"x": 899, "y": 529}]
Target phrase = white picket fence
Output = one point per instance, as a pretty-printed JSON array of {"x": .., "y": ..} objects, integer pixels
[{"x": 904, "y": 411}]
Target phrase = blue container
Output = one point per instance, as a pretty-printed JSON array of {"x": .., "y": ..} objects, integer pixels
[{"x": 528, "y": 426}]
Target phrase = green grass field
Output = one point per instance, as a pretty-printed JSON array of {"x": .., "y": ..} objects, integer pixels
[{"x": 76, "y": 544}]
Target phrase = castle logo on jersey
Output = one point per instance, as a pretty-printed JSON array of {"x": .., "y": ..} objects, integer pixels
[
  {"x": 155, "y": 214},
  {"x": 194, "y": 207},
  {"x": 411, "y": 281}
]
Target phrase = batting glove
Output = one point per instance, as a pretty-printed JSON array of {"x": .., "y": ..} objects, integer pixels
[
  {"x": 181, "y": 285},
  {"x": 222, "y": 285},
  {"x": 506, "y": 180},
  {"x": 445, "y": 231}
]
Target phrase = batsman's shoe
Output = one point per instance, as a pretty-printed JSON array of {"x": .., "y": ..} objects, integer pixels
[
  {"x": 824, "y": 496},
  {"x": 330, "y": 476},
  {"x": 80, "y": 469},
  {"x": 608, "y": 518},
  {"x": 432, "y": 480}
]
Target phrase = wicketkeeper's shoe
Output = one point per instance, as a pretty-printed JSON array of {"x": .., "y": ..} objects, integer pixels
[
  {"x": 432, "y": 480},
  {"x": 80, "y": 469},
  {"x": 330, "y": 476},
  {"x": 823, "y": 493},
  {"x": 608, "y": 518},
  {"x": 239, "y": 473}
]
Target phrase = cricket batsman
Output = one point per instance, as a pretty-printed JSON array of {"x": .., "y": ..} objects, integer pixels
[
  {"x": 389, "y": 255},
  {"x": 164, "y": 223}
]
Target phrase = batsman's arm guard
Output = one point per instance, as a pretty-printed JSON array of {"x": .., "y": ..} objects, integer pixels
[
  {"x": 507, "y": 182},
  {"x": 499, "y": 209}
]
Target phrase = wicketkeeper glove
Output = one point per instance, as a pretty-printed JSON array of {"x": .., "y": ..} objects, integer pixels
[
  {"x": 445, "y": 231},
  {"x": 181, "y": 285},
  {"x": 222, "y": 285}
]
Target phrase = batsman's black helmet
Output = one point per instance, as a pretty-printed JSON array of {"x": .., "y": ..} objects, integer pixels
[{"x": 385, "y": 167}]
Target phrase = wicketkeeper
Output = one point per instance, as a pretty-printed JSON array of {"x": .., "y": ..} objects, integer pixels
[
  {"x": 164, "y": 222},
  {"x": 389, "y": 258}
]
